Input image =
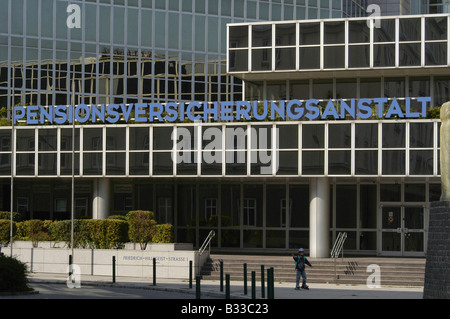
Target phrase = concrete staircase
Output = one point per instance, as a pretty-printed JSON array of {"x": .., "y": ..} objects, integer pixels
[{"x": 350, "y": 270}]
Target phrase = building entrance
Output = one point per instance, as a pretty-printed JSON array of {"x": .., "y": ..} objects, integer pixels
[{"x": 403, "y": 230}]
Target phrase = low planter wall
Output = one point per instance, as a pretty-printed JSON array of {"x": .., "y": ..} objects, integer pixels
[{"x": 172, "y": 260}]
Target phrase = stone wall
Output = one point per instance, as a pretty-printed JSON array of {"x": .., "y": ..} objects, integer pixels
[{"x": 437, "y": 269}]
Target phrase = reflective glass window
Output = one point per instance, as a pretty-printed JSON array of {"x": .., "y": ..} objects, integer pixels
[
  {"x": 421, "y": 162},
  {"x": 162, "y": 138},
  {"x": 436, "y": 53},
  {"x": 287, "y": 136},
  {"x": 93, "y": 139},
  {"x": 345, "y": 88},
  {"x": 394, "y": 87},
  {"x": 435, "y": 28},
  {"x": 238, "y": 60},
  {"x": 309, "y": 33},
  {"x": 139, "y": 163},
  {"x": 334, "y": 32},
  {"x": 285, "y": 59},
  {"x": 47, "y": 140},
  {"x": 384, "y": 55},
  {"x": 285, "y": 34},
  {"x": 139, "y": 138},
  {"x": 393, "y": 162},
  {"x": 312, "y": 162},
  {"x": 115, "y": 163},
  {"x": 287, "y": 163},
  {"x": 115, "y": 138},
  {"x": 313, "y": 136},
  {"x": 310, "y": 58},
  {"x": 334, "y": 57},
  {"x": 410, "y": 54},
  {"x": 47, "y": 164},
  {"x": 261, "y": 59},
  {"x": 339, "y": 162},
  {"x": 66, "y": 164},
  {"x": 390, "y": 192},
  {"x": 261, "y": 35},
  {"x": 359, "y": 56},
  {"x": 24, "y": 140},
  {"x": 415, "y": 192},
  {"x": 366, "y": 162},
  {"x": 386, "y": 32},
  {"x": 366, "y": 135},
  {"x": 410, "y": 29},
  {"x": 238, "y": 37},
  {"x": 92, "y": 164},
  {"x": 421, "y": 135},
  {"x": 339, "y": 136},
  {"x": 162, "y": 164},
  {"x": 393, "y": 135},
  {"x": 370, "y": 88},
  {"x": 359, "y": 32}
]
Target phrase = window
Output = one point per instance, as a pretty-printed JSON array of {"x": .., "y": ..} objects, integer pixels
[
  {"x": 22, "y": 205},
  {"x": 249, "y": 212},
  {"x": 164, "y": 210},
  {"x": 123, "y": 201},
  {"x": 81, "y": 207},
  {"x": 210, "y": 207},
  {"x": 60, "y": 205},
  {"x": 283, "y": 211}
]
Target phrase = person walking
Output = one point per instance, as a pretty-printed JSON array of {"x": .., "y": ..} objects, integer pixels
[{"x": 300, "y": 264}]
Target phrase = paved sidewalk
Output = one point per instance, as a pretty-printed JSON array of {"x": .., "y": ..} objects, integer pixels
[{"x": 211, "y": 288}]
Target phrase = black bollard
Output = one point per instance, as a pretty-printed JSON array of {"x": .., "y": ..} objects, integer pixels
[
  {"x": 245, "y": 278},
  {"x": 221, "y": 275},
  {"x": 154, "y": 271},
  {"x": 190, "y": 274},
  {"x": 227, "y": 286},
  {"x": 70, "y": 265},
  {"x": 270, "y": 284},
  {"x": 197, "y": 287},
  {"x": 253, "y": 285},
  {"x": 113, "y": 269},
  {"x": 263, "y": 294}
]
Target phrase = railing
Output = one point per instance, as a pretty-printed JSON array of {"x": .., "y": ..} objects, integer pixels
[
  {"x": 338, "y": 247},
  {"x": 207, "y": 242}
]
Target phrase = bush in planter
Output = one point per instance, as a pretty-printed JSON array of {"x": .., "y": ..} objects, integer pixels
[
  {"x": 7, "y": 215},
  {"x": 141, "y": 227},
  {"x": 13, "y": 275},
  {"x": 163, "y": 234},
  {"x": 5, "y": 226},
  {"x": 35, "y": 230}
]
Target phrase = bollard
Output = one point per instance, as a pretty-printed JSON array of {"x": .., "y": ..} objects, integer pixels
[
  {"x": 245, "y": 278},
  {"x": 262, "y": 283},
  {"x": 190, "y": 274},
  {"x": 253, "y": 285},
  {"x": 221, "y": 275},
  {"x": 197, "y": 287},
  {"x": 154, "y": 271},
  {"x": 227, "y": 286},
  {"x": 114, "y": 269},
  {"x": 70, "y": 265},
  {"x": 270, "y": 284}
]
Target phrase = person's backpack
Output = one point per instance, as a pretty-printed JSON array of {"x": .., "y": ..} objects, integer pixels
[{"x": 300, "y": 260}]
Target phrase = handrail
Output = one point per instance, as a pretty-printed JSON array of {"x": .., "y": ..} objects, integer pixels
[
  {"x": 207, "y": 242},
  {"x": 337, "y": 248},
  {"x": 338, "y": 245}
]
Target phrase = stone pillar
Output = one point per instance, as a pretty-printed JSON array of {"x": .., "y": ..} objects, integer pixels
[
  {"x": 437, "y": 267},
  {"x": 319, "y": 217},
  {"x": 101, "y": 198}
]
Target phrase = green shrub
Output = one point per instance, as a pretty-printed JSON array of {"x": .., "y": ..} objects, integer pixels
[
  {"x": 13, "y": 275},
  {"x": 141, "y": 227},
  {"x": 7, "y": 215},
  {"x": 5, "y": 230},
  {"x": 163, "y": 234},
  {"x": 35, "y": 230}
]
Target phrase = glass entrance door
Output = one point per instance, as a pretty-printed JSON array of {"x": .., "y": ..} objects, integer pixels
[{"x": 402, "y": 231}]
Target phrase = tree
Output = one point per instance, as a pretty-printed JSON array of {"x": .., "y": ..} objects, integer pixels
[{"x": 141, "y": 227}]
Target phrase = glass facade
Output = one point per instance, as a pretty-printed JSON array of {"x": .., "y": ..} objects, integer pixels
[
  {"x": 128, "y": 51},
  {"x": 317, "y": 148}
]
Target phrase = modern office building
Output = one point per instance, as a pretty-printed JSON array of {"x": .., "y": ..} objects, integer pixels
[{"x": 266, "y": 185}]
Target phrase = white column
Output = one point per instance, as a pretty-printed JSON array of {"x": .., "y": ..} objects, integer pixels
[
  {"x": 319, "y": 217},
  {"x": 102, "y": 198}
]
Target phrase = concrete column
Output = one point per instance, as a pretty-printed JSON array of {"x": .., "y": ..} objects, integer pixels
[
  {"x": 102, "y": 198},
  {"x": 319, "y": 217}
]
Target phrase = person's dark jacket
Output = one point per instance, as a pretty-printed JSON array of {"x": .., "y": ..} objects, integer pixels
[{"x": 300, "y": 262}]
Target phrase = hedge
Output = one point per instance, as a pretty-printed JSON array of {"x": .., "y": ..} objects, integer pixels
[
  {"x": 138, "y": 227},
  {"x": 13, "y": 275},
  {"x": 5, "y": 229}
]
